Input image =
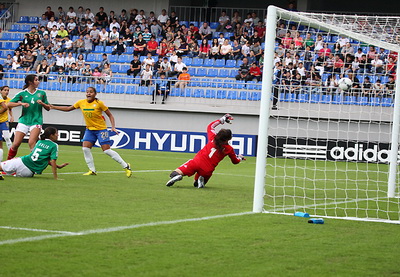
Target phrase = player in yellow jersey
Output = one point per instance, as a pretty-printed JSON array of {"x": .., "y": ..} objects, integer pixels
[
  {"x": 4, "y": 118},
  {"x": 96, "y": 129}
]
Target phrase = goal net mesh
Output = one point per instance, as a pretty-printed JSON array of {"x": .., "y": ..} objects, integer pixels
[{"x": 329, "y": 140}]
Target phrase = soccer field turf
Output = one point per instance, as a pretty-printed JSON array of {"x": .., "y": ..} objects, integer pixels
[{"x": 109, "y": 225}]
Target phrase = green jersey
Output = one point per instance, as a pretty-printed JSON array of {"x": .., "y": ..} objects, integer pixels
[
  {"x": 38, "y": 159},
  {"x": 31, "y": 115}
]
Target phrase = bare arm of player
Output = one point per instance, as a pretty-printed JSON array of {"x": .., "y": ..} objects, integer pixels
[
  {"x": 17, "y": 104},
  {"x": 11, "y": 116},
  {"x": 54, "y": 167},
  {"x": 63, "y": 108},
  {"x": 112, "y": 120},
  {"x": 3, "y": 107},
  {"x": 45, "y": 106}
]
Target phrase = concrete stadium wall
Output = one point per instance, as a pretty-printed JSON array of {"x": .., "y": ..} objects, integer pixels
[{"x": 34, "y": 8}]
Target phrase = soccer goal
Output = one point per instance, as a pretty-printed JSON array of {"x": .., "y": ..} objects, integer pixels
[{"x": 325, "y": 149}]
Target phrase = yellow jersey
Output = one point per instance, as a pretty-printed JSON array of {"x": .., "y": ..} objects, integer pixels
[
  {"x": 4, "y": 116},
  {"x": 93, "y": 113}
]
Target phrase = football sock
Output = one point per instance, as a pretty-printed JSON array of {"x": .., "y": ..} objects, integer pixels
[
  {"x": 89, "y": 158},
  {"x": 116, "y": 157},
  {"x": 11, "y": 153},
  {"x": 1, "y": 154},
  {"x": 6, "y": 136}
]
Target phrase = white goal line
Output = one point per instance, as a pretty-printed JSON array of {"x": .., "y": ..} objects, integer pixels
[{"x": 109, "y": 230}]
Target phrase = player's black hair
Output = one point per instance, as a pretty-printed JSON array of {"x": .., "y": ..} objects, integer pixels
[
  {"x": 3, "y": 87},
  {"x": 48, "y": 132},
  {"x": 28, "y": 80},
  {"x": 222, "y": 138}
]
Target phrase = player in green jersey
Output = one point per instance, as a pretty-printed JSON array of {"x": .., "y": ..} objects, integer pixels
[
  {"x": 32, "y": 101},
  {"x": 44, "y": 153}
]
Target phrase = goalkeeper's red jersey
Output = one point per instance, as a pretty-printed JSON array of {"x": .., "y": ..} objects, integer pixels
[{"x": 209, "y": 156}]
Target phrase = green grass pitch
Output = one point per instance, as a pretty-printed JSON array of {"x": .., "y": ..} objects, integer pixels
[{"x": 242, "y": 245}]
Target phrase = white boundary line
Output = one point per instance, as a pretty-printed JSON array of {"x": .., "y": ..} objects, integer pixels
[
  {"x": 35, "y": 230},
  {"x": 116, "y": 229}
]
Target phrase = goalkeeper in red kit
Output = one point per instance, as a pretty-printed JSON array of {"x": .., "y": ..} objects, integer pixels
[{"x": 205, "y": 161}]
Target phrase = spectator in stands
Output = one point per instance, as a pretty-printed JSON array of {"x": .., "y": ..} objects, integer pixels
[
  {"x": 103, "y": 38},
  {"x": 319, "y": 43},
  {"x": 104, "y": 61},
  {"x": 148, "y": 61},
  {"x": 53, "y": 33},
  {"x": 325, "y": 51},
  {"x": 51, "y": 61},
  {"x": 102, "y": 18},
  {"x": 139, "y": 46},
  {"x": 362, "y": 63},
  {"x": 88, "y": 15},
  {"x": 225, "y": 51},
  {"x": 260, "y": 29},
  {"x": 390, "y": 67},
  {"x": 178, "y": 67},
  {"x": 43, "y": 21},
  {"x": 165, "y": 68},
  {"x": 86, "y": 72},
  {"x": 123, "y": 16},
  {"x": 348, "y": 65},
  {"x": 49, "y": 13},
  {"x": 62, "y": 33},
  {"x": 94, "y": 35},
  {"x": 87, "y": 45},
  {"x": 51, "y": 24},
  {"x": 174, "y": 20},
  {"x": 114, "y": 24},
  {"x": 356, "y": 86},
  {"x": 42, "y": 70},
  {"x": 205, "y": 31},
  {"x": 366, "y": 87},
  {"x": 314, "y": 83},
  {"x": 236, "y": 18},
  {"x": 247, "y": 27},
  {"x": 8, "y": 62},
  {"x": 378, "y": 89},
  {"x": 119, "y": 48},
  {"x": 183, "y": 48},
  {"x": 82, "y": 28},
  {"x": 338, "y": 64},
  {"x": 347, "y": 50},
  {"x": 193, "y": 48},
  {"x": 146, "y": 76},
  {"x": 343, "y": 41},
  {"x": 111, "y": 18},
  {"x": 162, "y": 88},
  {"x": 113, "y": 37},
  {"x": 106, "y": 74},
  {"x": 152, "y": 46},
  {"x": 80, "y": 62},
  {"x": 331, "y": 84},
  {"x": 69, "y": 60},
  {"x": 27, "y": 61},
  {"x": 390, "y": 86},
  {"x": 214, "y": 50},
  {"x": 61, "y": 14},
  {"x": 68, "y": 45},
  {"x": 73, "y": 74},
  {"x": 163, "y": 17},
  {"x": 71, "y": 14},
  {"x": 40, "y": 55},
  {"x": 163, "y": 48},
  {"x": 156, "y": 29},
  {"x": 1, "y": 72},
  {"x": 183, "y": 79},
  {"x": 377, "y": 66},
  {"x": 236, "y": 51},
  {"x": 173, "y": 58},
  {"x": 204, "y": 49},
  {"x": 60, "y": 23},
  {"x": 96, "y": 75},
  {"x": 223, "y": 21},
  {"x": 255, "y": 73},
  {"x": 135, "y": 66},
  {"x": 80, "y": 14},
  {"x": 243, "y": 70}
]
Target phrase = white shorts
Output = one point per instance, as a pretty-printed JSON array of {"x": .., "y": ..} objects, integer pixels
[
  {"x": 26, "y": 128},
  {"x": 16, "y": 166}
]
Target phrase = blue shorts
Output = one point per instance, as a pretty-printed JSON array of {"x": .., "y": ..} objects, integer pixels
[
  {"x": 4, "y": 126},
  {"x": 103, "y": 136}
]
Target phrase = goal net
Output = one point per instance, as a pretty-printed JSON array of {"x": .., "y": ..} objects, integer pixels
[{"x": 329, "y": 122}]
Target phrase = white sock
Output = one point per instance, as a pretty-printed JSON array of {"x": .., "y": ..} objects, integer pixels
[
  {"x": 89, "y": 158},
  {"x": 116, "y": 157},
  {"x": 6, "y": 136},
  {"x": 1, "y": 154}
]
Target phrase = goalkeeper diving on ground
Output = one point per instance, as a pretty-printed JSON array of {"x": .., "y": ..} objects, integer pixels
[{"x": 207, "y": 159}]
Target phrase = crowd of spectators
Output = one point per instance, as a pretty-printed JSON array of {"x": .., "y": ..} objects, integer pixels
[
  {"x": 310, "y": 62},
  {"x": 62, "y": 40}
]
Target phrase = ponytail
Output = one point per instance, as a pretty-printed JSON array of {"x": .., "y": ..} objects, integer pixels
[
  {"x": 222, "y": 138},
  {"x": 28, "y": 80},
  {"x": 48, "y": 132}
]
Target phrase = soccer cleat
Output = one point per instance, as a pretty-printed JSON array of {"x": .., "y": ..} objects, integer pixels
[
  {"x": 173, "y": 180},
  {"x": 90, "y": 173},
  {"x": 1, "y": 177},
  {"x": 200, "y": 182},
  {"x": 128, "y": 171},
  {"x": 274, "y": 107}
]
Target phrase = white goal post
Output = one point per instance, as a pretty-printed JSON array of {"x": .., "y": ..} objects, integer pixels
[{"x": 357, "y": 188}]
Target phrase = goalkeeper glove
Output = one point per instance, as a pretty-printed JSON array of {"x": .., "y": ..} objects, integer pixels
[
  {"x": 241, "y": 157},
  {"x": 227, "y": 118}
]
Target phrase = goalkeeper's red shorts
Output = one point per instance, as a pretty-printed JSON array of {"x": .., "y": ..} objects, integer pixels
[{"x": 195, "y": 166}]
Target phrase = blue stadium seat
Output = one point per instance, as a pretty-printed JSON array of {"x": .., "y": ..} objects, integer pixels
[
  {"x": 23, "y": 19},
  {"x": 33, "y": 19},
  {"x": 197, "y": 62},
  {"x": 175, "y": 92},
  {"x": 124, "y": 59},
  {"x": 326, "y": 99},
  {"x": 142, "y": 90},
  {"x": 337, "y": 99},
  {"x": 199, "y": 93},
  {"x": 113, "y": 58},
  {"x": 254, "y": 96},
  {"x": 201, "y": 72},
  {"x": 131, "y": 89},
  {"x": 228, "y": 35},
  {"x": 374, "y": 101},
  {"x": 224, "y": 73},
  {"x": 212, "y": 72},
  {"x": 186, "y": 23},
  {"x": 350, "y": 100},
  {"x": 124, "y": 68},
  {"x": 195, "y": 23},
  {"x": 98, "y": 49},
  {"x": 90, "y": 57},
  {"x": 214, "y": 25},
  {"x": 6, "y": 36},
  {"x": 242, "y": 95},
  {"x": 109, "y": 49},
  {"x": 208, "y": 62},
  {"x": 221, "y": 94},
  {"x": 363, "y": 100},
  {"x": 14, "y": 28},
  {"x": 187, "y": 61},
  {"x": 228, "y": 84},
  {"x": 210, "y": 93},
  {"x": 120, "y": 89},
  {"x": 302, "y": 97},
  {"x": 232, "y": 95},
  {"x": 315, "y": 98},
  {"x": 115, "y": 68},
  {"x": 387, "y": 102},
  {"x": 219, "y": 63}
]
